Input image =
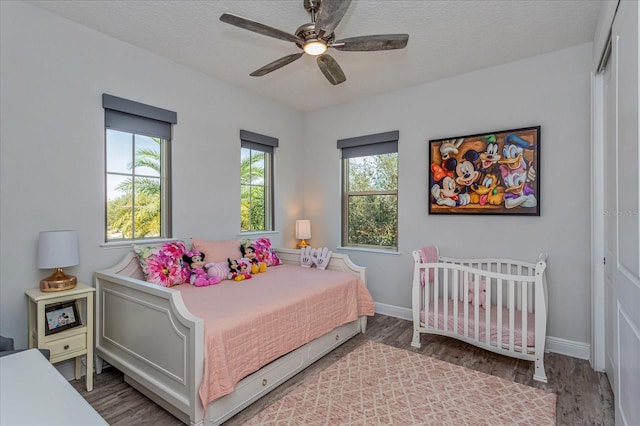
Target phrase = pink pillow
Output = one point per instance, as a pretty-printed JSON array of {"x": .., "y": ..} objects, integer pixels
[
  {"x": 162, "y": 264},
  {"x": 218, "y": 251}
]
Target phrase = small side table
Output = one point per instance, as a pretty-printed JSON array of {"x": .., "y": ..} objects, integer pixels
[{"x": 71, "y": 342}]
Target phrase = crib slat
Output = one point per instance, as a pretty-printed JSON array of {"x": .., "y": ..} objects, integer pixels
[
  {"x": 487, "y": 312},
  {"x": 456, "y": 299},
  {"x": 427, "y": 297},
  {"x": 512, "y": 315},
  {"x": 499, "y": 291},
  {"x": 445, "y": 300},
  {"x": 436, "y": 298},
  {"x": 465, "y": 283},
  {"x": 524, "y": 342},
  {"x": 476, "y": 307}
]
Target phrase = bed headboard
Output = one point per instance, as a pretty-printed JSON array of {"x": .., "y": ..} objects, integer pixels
[{"x": 128, "y": 266}]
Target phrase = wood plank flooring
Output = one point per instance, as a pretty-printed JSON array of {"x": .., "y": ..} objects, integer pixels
[{"x": 584, "y": 396}]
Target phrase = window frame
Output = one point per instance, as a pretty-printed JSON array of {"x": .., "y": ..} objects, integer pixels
[
  {"x": 366, "y": 146},
  {"x": 140, "y": 119},
  {"x": 266, "y": 144}
]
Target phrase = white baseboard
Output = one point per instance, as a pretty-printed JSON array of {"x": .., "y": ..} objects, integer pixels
[
  {"x": 581, "y": 350},
  {"x": 394, "y": 311},
  {"x": 556, "y": 345}
]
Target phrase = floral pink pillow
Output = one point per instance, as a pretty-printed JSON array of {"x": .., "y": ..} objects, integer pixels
[{"x": 162, "y": 264}]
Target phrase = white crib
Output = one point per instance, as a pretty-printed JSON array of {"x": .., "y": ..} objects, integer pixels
[{"x": 515, "y": 308}]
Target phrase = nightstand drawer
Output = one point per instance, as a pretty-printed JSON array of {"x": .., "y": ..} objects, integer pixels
[{"x": 67, "y": 345}]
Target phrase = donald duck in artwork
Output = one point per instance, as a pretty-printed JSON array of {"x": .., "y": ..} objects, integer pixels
[{"x": 515, "y": 174}]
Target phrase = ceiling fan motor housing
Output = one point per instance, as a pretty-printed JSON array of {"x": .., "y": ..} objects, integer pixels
[{"x": 308, "y": 32}]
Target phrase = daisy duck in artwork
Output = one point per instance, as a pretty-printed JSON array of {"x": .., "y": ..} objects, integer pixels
[{"x": 515, "y": 173}]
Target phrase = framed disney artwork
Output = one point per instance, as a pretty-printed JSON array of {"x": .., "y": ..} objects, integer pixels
[
  {"x": 61, "y": 316},
  {"x": 487, "y": 173}
]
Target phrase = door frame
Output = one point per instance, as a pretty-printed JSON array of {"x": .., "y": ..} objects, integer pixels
[
  {"x": 601, "y": 50},
  {"x": 598, "y": 344}
]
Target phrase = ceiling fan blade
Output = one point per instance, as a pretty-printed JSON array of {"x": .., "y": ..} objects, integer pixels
[
  {"x": 278, "y": 63},
  {"x": 257, "y": 27},
  {"x": 372, "y": 43},
  {"x": 330, "y": 14},
  {"x": 331, "y": 69}
]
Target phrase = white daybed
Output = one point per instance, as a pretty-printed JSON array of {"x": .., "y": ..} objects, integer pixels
[
  {"x": 147, "y": 332},
  {"x": 513, "y": 320}
]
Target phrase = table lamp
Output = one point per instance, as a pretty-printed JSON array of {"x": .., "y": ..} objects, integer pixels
[
  {"x": 58, "y": 249},
  {"x": 303, "y": 231}
]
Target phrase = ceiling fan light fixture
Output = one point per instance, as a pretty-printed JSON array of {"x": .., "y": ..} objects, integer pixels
[{"x": 315, "y": 47}]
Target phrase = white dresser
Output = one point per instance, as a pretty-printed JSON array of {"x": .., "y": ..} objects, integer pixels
[{"x": 35, "y": 393}]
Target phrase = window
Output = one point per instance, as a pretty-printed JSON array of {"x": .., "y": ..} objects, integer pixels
[
  {"x": 137, "y": 168},
  {"x": 370, "y": 191},
  {"x": 256, "y": 181}
]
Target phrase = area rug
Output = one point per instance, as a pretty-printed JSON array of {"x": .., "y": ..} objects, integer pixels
[{"x": 377, "y": 384}]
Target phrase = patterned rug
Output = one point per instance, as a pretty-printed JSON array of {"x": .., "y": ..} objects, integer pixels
[{"x": 376, "y": 384}]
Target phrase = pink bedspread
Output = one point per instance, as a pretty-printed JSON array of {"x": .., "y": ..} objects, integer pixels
[
  {"x": 250, "y": 323},
  {"x": 481, "y": 323}
]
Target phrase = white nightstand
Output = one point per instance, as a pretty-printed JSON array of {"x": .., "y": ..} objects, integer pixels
[{"x": 71, "y": 342}]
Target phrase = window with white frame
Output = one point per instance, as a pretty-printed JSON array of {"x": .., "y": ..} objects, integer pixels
[
  {"x": 370, "y": 191},
  {"x": 256, "y": 181},
  {"x": 137, "y": 170}
]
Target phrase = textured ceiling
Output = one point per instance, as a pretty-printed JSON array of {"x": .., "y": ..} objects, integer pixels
[{"x": 446, "y": 38}]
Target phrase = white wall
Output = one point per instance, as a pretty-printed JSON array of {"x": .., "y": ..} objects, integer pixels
[
  {"x": 552, "y": 91},
  {"x": 53, "y": 73}
]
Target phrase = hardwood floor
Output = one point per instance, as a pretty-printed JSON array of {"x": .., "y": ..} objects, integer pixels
[{"x": 584, "y": 396}]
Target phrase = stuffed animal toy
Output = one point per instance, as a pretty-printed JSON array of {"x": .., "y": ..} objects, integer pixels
[
  {"x": 250, "y": 256},
  {"x": 199, "y": 277},
  {"x": 482, "y": 297},
  {"x": 238, "y": 270}
]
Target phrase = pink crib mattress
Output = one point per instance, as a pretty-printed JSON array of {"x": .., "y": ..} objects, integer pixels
[{"x": 517, "y": 332}]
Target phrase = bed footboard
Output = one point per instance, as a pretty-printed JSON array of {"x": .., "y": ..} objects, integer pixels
[
  {"x": 496, "y": 304},
  {"x": 146, "y": 332}
]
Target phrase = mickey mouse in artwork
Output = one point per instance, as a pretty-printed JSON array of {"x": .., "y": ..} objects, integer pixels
[
  {"x": 199, "y": 277},
  {"x": 467, "y": 175}
]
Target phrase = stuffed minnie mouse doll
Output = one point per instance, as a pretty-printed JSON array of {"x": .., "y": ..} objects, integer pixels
[{"x": 199, "y": 277}]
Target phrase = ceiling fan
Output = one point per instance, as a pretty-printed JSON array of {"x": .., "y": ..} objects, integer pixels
[{"x": 316, "y": 37}]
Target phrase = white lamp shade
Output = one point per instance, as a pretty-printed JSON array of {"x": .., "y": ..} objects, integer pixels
[
  {"x": 303, "y": 229},
  {"x": 57, "y": 249}
]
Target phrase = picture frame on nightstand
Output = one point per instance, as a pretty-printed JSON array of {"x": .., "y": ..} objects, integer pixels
[{"x": 61, "y": 316}]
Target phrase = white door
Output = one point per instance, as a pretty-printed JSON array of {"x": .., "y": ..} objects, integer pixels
[{"x": 622, "y": 218}]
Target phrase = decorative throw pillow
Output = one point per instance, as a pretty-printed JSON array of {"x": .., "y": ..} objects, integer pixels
[
  {"x": 218, "y": 251},
  {"x": 162, "y": 264},
  {"x": 265, "y": 252}
]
